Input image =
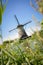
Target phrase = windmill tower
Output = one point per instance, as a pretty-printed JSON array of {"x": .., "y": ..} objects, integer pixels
[{"x": 21, "y": 31}]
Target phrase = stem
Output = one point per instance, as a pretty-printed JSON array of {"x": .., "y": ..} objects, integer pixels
[
  {"x": 1, "y": 42},
  {"x": 1, "y": 39}
]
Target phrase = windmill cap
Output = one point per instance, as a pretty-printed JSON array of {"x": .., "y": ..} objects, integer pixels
[{"x": 19, "y": 26}]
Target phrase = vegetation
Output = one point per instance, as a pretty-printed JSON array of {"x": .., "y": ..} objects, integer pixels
[{"x": 24, "y": 52}]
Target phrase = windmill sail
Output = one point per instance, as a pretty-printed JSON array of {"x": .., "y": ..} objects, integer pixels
[
  {"x": 12, "y": 29},
  {"x": 27, "y": 23},
  {"x": 17, "y": 20}
]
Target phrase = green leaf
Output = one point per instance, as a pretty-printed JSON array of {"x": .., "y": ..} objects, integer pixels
[{"x": 0, "y": 15}]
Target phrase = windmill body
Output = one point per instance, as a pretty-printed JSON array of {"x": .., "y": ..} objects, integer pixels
[
  {"x": 21, "y": 32},
  {"x": 20, "y": 28}
]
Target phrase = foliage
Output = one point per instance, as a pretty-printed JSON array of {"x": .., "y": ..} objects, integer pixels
[{"x": 2, "y": 9}]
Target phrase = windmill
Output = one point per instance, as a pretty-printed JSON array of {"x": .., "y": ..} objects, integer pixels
[
  {"x": 39, "y": 4},
  {"x": 21, "y": 31}
]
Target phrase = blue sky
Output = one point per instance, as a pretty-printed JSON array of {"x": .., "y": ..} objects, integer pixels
[{"x": 24, "y": 13}]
